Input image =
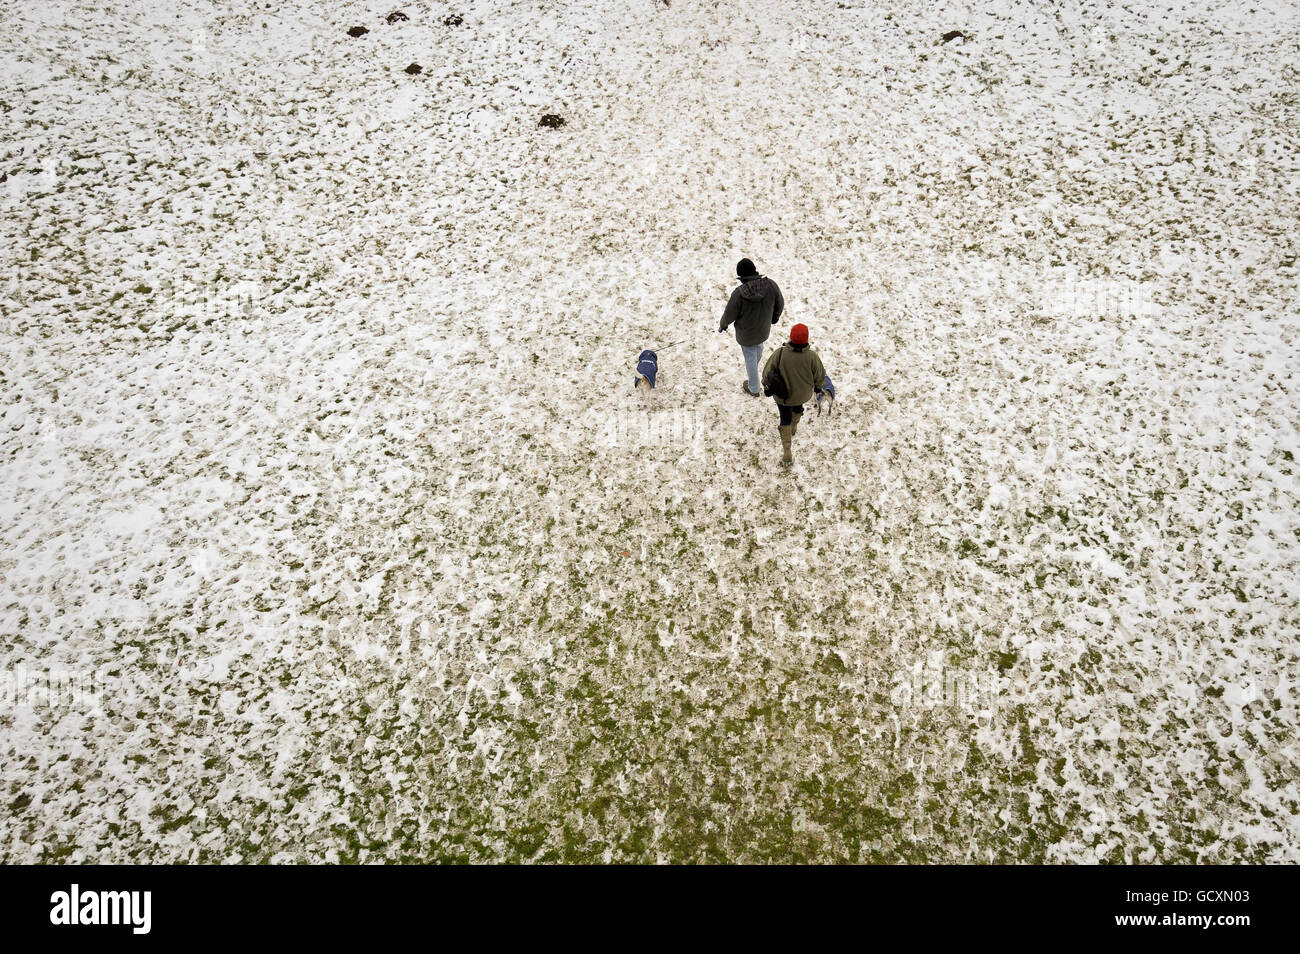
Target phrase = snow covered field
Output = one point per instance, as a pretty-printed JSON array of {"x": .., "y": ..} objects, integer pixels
[{"x": 332, "y": 530}]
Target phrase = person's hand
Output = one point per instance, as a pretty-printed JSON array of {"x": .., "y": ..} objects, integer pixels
[{"x": 775, "y": 320}]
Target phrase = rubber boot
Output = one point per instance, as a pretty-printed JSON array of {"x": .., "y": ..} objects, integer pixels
[
  {"x": 786, "y": 459},
  {"x": 794, "y": 424}
]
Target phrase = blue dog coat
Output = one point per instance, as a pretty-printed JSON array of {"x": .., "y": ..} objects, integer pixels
[
  {"x": 828, "y": 388},
  {"x": 647, "y": 366}
]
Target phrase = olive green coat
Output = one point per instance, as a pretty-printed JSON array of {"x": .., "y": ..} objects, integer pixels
[{"x": 802, "y": 370}]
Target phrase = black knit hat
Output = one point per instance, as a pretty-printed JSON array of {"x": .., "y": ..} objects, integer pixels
[{"x": 745, "y": 268}]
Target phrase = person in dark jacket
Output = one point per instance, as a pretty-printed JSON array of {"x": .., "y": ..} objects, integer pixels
[
  {"x": 803, "y": 373},
  {"x": 754, "y": 307}
]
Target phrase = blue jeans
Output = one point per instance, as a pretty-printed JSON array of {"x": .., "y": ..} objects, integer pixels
[{"x": 752, "y": 355}]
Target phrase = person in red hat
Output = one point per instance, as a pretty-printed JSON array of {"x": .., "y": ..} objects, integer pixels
[{"x": 792, "y": 374}]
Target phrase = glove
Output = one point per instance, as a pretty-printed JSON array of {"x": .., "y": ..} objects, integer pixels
[{"x": 775, "y": 320}]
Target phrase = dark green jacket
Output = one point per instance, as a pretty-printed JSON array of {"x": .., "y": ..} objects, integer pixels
[
  {"x": 802, "y": 370},
  {"x": 755, "y": 306}
]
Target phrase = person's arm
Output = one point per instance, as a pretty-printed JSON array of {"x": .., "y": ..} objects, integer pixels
[
  {"x": 732, "y": 311},
  {"x": 819, "y": 373},
  {"x": 779, "y": 307}
]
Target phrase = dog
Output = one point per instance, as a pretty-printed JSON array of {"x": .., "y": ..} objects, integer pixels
[
  {"x": 827, "y": 398},
  {"x": 647, "y": 369}
]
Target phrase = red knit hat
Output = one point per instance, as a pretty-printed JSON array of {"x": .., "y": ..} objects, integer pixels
[{"x": 799, "y": 334}]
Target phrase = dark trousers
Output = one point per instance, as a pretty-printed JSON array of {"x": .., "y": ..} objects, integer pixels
[{"x": 788, "y": 412}]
